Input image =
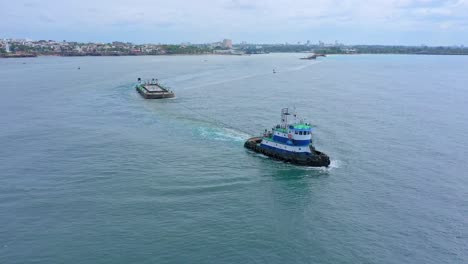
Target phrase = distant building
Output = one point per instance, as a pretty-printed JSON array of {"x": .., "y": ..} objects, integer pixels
[
  {"x": 227, "y": 43},
  {"x": 215, "y": 45},
  {"x": 7, "y": 47},
  {"x": 349, "y": 50}
]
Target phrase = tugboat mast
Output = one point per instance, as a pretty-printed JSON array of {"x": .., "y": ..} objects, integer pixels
[{"x": 284, "y": 117}]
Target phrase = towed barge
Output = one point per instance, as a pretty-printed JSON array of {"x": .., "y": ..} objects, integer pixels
[
  {"x": 290, "y": 143},
  {"x": 153, "y": 90}
]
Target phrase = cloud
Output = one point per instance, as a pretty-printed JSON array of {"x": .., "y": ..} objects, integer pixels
[
  {"x": 241, "y": 5},
  {"x": 224, "y": 18}
]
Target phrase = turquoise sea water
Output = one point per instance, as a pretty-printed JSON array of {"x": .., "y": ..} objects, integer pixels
[{"x": 92, "y": 173}]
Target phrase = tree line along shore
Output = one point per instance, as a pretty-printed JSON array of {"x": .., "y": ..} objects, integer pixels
[{"x": 52, "y": 48}]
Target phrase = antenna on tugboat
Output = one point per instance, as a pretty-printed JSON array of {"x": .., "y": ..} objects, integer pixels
[
  {"x": 295, "y": 114},
  {"x": 284, "y": 117}
]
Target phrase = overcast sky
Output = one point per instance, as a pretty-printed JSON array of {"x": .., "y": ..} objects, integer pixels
[{"x": 407, "y": 22}]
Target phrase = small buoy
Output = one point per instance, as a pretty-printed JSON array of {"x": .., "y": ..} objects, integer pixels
[{"x": 79, "y": 68}]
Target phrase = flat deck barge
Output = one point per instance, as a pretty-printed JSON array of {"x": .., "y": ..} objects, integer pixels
[{"x": 153, "y": 90}]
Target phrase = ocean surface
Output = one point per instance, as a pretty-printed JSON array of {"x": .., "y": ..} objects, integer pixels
[{"x": 90, "y": 172}]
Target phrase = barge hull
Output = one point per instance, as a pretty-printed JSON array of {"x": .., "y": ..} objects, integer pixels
[{"x": 161, "y": 95}]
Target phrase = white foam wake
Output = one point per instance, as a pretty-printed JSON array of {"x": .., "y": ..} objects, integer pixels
[
  {"x": 334, "y": 164},
  {"x": 222, "y": 134}
]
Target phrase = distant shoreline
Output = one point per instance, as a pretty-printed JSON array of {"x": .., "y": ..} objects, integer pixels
[
  {"x": 28, "y": 48},
  {"x": 123, "y": 55},
  {"x": 17, "y": 56}
]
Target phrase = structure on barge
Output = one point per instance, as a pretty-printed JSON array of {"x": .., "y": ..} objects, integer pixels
[
  {"x": 153, "y": 90},
  {"x": 290, "y": 143}
]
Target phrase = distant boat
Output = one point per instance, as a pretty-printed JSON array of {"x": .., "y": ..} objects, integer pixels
[{"x": 313, "y": 56}]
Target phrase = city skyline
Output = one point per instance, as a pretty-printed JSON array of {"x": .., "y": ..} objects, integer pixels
[{"x": 388, "y": 22}]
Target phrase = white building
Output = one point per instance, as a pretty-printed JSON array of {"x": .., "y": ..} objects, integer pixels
[{"x": 227, "y": 43}]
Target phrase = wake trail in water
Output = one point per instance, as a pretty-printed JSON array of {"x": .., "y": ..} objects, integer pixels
[
  {"x": 222, "y": 134},
  {"x": 228, "y": 132},
  {"x": 206, "y": 124},
  {"x": 248, "y": 76},
  {"x": 216, "y": 121},
  {"x": 301, "y": 67},
  {"x": 207, "y": 84}
]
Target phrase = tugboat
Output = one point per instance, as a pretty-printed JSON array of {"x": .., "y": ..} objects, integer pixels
[
  {"x": 153, "y": 90},
  {"x": 291, "y": 143}
]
